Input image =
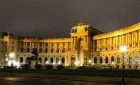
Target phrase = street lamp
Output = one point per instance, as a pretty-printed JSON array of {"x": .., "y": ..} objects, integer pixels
[
  {"x": 6, "y": 62},
  {"x": 11, "y": 57},
  {"x": 89, "y": 62},
  {"x": 123, "y": 49}
]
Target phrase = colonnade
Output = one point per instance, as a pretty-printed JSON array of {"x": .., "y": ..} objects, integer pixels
[
  {"x": 114, "y": 42},
  {"x": 44, "y": 46}
]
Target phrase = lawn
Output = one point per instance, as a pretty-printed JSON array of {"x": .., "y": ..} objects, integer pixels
[{"x": 88, "y": 72}]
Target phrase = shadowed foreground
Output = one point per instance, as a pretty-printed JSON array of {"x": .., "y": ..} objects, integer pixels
[{"x": 55, "y": 79}]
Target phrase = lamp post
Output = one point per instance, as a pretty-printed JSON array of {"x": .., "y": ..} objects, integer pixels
[
  {"x": 6, "y": 62},
  {"x": 123, "y": 49},
  {"x": 11, "y": 57}
]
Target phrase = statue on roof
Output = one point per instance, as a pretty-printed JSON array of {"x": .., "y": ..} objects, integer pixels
[{"x": 80, "y": 23}]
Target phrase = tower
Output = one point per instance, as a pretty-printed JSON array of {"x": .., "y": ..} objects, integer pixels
[{"x": 82, "y": 41}]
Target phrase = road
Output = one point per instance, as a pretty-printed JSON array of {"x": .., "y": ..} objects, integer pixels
[{"x": 52, "y": 79}]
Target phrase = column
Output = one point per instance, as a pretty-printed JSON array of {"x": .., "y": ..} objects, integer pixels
[
  {"x": 116, "y": 41},
  {"x": 74, "y": 42},
  {"x": 132, "y": 36},
  {"x": 138, "y": 37},
  {"x": 126, "y": 39},
  {"x": 99, "y": 44},
  {"x": 30, "y": 46},
  {"x": 130, "y": 39},
  {"x": 24, "y": 47},
  {"x": 87, "y": 41}
]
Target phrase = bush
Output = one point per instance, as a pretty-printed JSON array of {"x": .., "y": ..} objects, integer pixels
[
  {"x": 25, "y": 66},
  {"x": 60, "y": 67},
  {"x": 49, "y": 66},
  {"x": 38, "y": 66}
]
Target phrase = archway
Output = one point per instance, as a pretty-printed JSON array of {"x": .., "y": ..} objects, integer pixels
[
  {"x": 95, "y": 60},
  {"x": 101, "y": 60},
  {"x": 21, "y": 59},
  {"x": 106, "y": 60},
  {"x": 85, "y": 60},
  {"x": 72, "y": 60}
]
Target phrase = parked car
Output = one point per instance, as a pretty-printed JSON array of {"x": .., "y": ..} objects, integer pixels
[
  {"x": 92, "y": 68},
  {"x": 108, "y": 68},
  {"x": 85, "y": 67},
  {"x": 81, "y": 67}
]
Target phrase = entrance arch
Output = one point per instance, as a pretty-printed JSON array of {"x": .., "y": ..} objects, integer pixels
[{"x": 72, "y": 60}]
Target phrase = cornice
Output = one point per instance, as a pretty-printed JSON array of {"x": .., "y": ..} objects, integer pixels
[{"x": 121, "y": 31}]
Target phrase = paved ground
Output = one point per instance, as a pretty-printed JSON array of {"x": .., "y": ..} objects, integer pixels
[{"x": 73, "y": 78}]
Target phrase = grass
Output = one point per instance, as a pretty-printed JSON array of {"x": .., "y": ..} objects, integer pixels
[{"x": 87, "y": 72}]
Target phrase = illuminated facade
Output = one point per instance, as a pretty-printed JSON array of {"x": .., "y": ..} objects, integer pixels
[{"x": 86, "y": 46}]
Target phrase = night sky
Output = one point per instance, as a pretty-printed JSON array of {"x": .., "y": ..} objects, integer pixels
[{"x": 55, "y": 18}]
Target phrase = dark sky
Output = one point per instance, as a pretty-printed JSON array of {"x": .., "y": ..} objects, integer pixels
[{"x": 55, "y": 18}]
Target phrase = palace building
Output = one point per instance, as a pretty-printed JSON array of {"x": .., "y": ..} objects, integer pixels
[{"x": 85, "y": 46}]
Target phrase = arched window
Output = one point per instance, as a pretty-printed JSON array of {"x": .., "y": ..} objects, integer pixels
[
  {"x": 27, "y": 59},
  {"x": 112, "y": 59},
  {"x": 21, "y": 59},
  {"x": 106, "y": 60},
  {"x": 40, "y": 59},
  {"x": 85, "y": 60},
  {"x": 124, "y": 59},
  {"x": 63, "y": 60},
  {"x": 46, "y": 59},
  {"x": 95, "y": 60},
  {"x": 136, "y": 58},
  {"x": 57, "y": 60},
  {"x": 130, "y": 59},
  {"x": 28, "y": 49},
  {"x": 118, "y": 59},
  {"x": 101, "y": 60},
  {"x": 51, "y": 60}
]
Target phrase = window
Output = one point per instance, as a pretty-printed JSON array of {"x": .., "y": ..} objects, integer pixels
[
  {"x": 75, "y": 30},
  {"x": 46, "y": 44},
  {"x": 46, "y": 50},
  {"x": 106, "y": 60},
  {"x": 85, "y": 29},
  {"x": 130, "y": 59},
  {"x": 40, "y": 44},
  {"x": 12, "y": 42},
  {"x": 40, "y": 50},
  {"x": 22, "y": 49},
  {"x": 51, "y": 60},
  {"x": 101, "y": 60},
  {"x": 63, "y": 51},
  {"x": 118, "y": 59},
  {"x": 12, "y": 48},
  {"x": 21, "y": 59},
  {"x": 57, "y": 60},
  {"x": 57, "y": 50},
  {"x": 28, "y": 44},
  {"x": 52, "y": 45},
  {"x": 136, "y": 58},
  {"x": 95, "y": 60},
  {"x": 112, "y": 59},
  {"x": 46, "y": 59},
  {"x": 40, "y": 59},
  {"x": 124, "y": 59},
  {"x": 52, "y": 50},
  {"x": 63, "y": 60},
  {"x": 28, "y": 49}
]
